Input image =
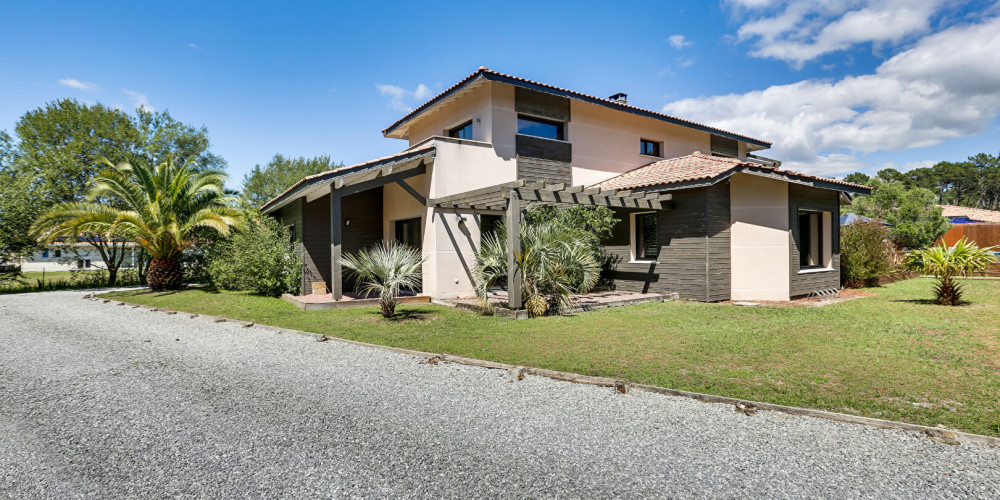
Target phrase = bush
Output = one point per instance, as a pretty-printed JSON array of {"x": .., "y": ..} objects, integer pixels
[
  {"x": 259, "y": 258},
  {"x": 864, "y": 254}
]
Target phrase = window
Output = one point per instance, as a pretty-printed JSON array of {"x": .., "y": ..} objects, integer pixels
[
  {"x": 408, "y": 231},
  {"x": 463, "y": 131},
  {"x": 488, "y": 224},
  {"x": 649, "y": 148},
  {"x": 813, "y": 237},
  {"x": 58, "y": 253},
  {"x": 538, "y": 127},
  {"x": 291, "y": 233},
  {"x": 647, "y": 246},
  {"x": 45, "y": 254}
]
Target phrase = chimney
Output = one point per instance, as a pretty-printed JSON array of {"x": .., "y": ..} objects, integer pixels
[{"x": 621, "y": 98}]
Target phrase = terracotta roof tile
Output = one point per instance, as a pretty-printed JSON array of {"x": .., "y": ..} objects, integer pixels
[
  {"x": 976, "y": 214},
  {"x": 693, "y": 167}
]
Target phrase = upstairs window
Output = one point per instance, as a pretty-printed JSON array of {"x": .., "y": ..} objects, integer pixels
[
  {"x": 814, "y": 234},
  {"x": 649, "y": 148},
  {"x": 645, "y": 228},
  {"x": 539, "y": 127},
  {"x": 463, "y": 131}
]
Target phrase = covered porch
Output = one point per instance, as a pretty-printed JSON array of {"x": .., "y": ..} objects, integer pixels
[{"x": 513, "y": 199}]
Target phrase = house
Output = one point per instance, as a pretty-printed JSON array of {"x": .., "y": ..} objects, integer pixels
[
  {"x": 701, "y": 214},
  {"x": 967, "y": 215},
  {"x": 61, "y": 256},
  {"x": 978, "y": 225}
]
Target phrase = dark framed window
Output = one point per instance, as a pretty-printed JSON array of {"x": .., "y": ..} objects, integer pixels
[
  {"x": 647, "y": 246},
  {"x": 488, "y": 224},
  {"x": 408, "y": 231},
  {"x": 463, "y": 131},
  {"x": 649, "y": 148},
  {"x": 58, "y": 253},
  {"x": 811, "y": 240},
  {"x": 539, "y": 127},
  {"x": 291, "y": 233}
]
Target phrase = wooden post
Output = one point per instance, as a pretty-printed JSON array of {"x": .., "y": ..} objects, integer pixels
[
  {"x": 514, "y": 299},
  {"x": 336, "y": 237}
]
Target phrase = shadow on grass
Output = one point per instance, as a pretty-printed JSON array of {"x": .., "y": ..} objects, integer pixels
[
  {"x": 931, "y": 302},
  {"x": 402, "y": 316}
]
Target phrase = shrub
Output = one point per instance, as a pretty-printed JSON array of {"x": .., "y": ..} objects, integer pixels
[
  {"x": 946, "y": 263},
  {"x": 259, "y": 258},
  {"x": 864, "y": 254}
]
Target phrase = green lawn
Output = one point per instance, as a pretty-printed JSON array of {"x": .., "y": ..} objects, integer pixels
[{"x": 893, "y": 356}]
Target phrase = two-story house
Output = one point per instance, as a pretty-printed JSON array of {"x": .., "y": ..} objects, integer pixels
[{"x": 700, "y": 214}]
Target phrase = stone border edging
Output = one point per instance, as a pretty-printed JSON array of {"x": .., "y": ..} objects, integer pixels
[{"x": 938, "y": 434}]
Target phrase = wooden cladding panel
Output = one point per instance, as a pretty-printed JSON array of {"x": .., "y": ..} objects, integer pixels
[
  {"x": 552, "y": 172},
  {"x": 364, "y": 210},
  {"x": 694, "y": 239},
  {"x": 546, "y": 149},
  {"x": 810, "y": 198},
  {"x": 541, "y": 104},
  {"x": 316, "y": 242},
  {"x": 724, "y": 146}
]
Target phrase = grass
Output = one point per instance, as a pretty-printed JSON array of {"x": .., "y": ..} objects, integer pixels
[
  {"x": 63, "y": 280},
  {"x": 894, "y": 355}
]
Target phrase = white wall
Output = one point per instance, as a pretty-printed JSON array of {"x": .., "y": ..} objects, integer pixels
[
  {"x": 473, "y": 105},
  {"x": 760, "y": 242}
]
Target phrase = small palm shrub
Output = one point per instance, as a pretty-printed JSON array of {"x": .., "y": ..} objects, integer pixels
[
  {"x": 555, "y": 262},
  {"x": 386, "y": 269},
  {"x": 864, "y": 254},
  {"x": 947, "y": 263},
  {"x": 259, "y": 258}
]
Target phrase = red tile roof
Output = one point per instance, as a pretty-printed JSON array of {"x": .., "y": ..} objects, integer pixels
[
  {"x": 699, "y": 166},
  {"x": 516, "y": 80},
  {"x": 976, "y": 214}
]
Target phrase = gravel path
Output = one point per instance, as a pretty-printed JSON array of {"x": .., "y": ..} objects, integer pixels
[{"x": 99, "y": 400}]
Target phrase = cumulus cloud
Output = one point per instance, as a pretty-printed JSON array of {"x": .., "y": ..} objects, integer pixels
[
  {"x": 400, "y": 98},
  {"x": 139, "y": 100},
  {"x": 939, "y": 89},
  {"x": 679, "y": 42},
  {"x": 79, "y": 85},
  {"x": 797, "y": 31}
]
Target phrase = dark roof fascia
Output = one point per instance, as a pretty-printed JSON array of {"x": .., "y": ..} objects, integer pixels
[
  {"x": 308, "y": 182},
  {"x": 491, "y": 76}
]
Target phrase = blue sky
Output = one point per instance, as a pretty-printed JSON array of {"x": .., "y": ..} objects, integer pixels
[{"x": 838, "y": 86}]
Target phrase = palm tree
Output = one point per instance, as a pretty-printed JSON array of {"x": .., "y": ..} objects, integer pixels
[
  {"x": 555, "y": 261},
  {"x": 945, "y": 263},
  {"x": 385, "y": 269},
  {"x": 162, "y": 209}
]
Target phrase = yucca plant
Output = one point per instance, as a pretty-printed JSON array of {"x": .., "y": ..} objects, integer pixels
[
  {"x": 385, "y": 269},
  {"x": 555, "y": 261},
  {"x": 163, "y": 210},
  {"x": 946, "y": 263}
]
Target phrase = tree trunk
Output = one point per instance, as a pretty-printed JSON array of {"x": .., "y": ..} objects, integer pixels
[{"x": 164, "y": 274}]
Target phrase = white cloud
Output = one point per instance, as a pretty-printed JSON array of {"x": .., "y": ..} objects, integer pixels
[
  {"x": 939, "y": 89},
  {"x": 400, "y": 97},
  {"x": 194, "y": 46},
  {"x": 798, "y": 31},
  {"x": 79, "y": 85},
  {"x": 139, "y": 100},
  {"x": 679, "y": 42}
]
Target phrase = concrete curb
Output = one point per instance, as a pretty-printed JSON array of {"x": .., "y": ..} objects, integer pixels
[{"x": 938, "y": 434}]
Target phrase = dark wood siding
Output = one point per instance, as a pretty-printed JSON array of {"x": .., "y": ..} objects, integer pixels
[
  {"x": 546, "y": 149},
  {"x": 724, "y": 146},
  {"x": 694, "y": 258},
  {"x": 316, "y": 242},
  {"x": 541, "y": 104},
  {"x": 537, "y": 169},
  {"x": 364, "y": 210},
  {"x": 291, "y": 214},
  {"x": 810, "y": 198}
]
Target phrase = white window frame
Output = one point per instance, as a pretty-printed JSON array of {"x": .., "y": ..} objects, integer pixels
[{"x": 633, "y": 240}]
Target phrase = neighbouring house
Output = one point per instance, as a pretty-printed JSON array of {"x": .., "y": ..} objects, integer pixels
[
  {"x": 80, "y": 256},
  {"x": 966, "y": 215},
  {"x": 701, "y": 214},
  {"x": 978, "y": 225}
]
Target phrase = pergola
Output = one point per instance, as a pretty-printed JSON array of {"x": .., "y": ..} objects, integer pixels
[{"x": 513, "y": 198}]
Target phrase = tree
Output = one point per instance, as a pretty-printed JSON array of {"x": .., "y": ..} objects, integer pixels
[
  {"x": 945, "y": 263},
  {"x": 858, "y": 178},
  {"x": 864, "y": 255},
  {"x": 164, "y": 211},
  {"x": 61, "y": 145},
  {"x": 262, "y": 184},
  {"x": 18, "y": 207},
  {"x": 555, "y": 263},
  {"x": 384, "y": 270},
  {"x": 915, "y": 220}
]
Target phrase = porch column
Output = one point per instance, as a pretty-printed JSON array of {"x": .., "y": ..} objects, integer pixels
[
  {"x": 514, "y": 299},
  {"x": 336, "y": 273}
]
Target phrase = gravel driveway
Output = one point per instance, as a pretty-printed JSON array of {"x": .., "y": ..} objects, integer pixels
[{"x": 99, "y": 400}]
